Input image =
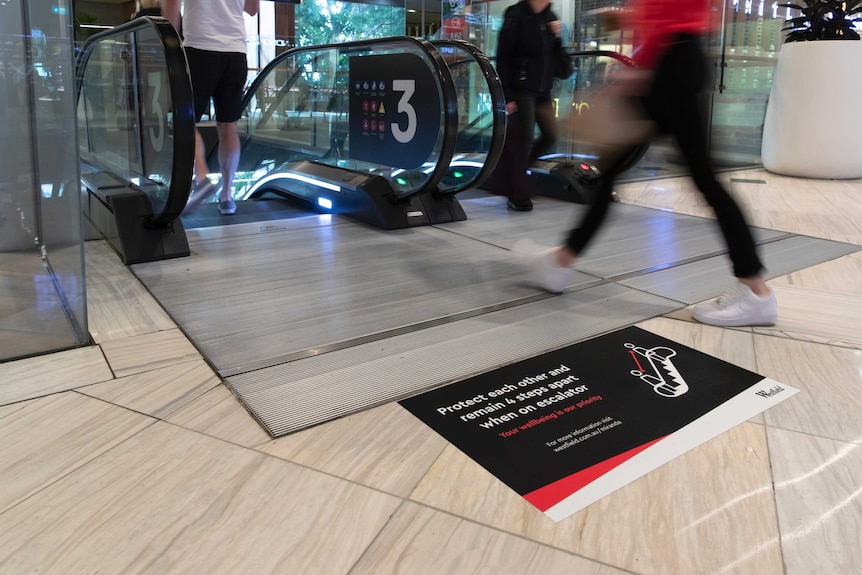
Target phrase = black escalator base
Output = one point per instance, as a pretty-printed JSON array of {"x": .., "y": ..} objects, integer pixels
[
  {"x": 120, "y": 215},
  {"x": 569, "y": 181},
  {"x": 359, "y": 195}
]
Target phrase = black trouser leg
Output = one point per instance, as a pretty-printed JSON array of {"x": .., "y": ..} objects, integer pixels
[
  {"x": 687, "y": 121},
  {"x": 544, "y": 117}
]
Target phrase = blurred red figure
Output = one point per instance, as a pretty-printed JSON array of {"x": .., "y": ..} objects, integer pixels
[{"x": 671, "y": 73}]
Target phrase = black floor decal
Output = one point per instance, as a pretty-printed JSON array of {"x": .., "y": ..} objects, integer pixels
[{"x": 568, "y": 427}]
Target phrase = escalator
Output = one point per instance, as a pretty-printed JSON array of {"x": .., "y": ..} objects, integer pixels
[
  {"x": 136, "y": 138},
  {"x": 372, "y": 130}
]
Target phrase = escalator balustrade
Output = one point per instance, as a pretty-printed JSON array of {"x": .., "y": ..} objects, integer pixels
[{"x": 136, "y": 138}]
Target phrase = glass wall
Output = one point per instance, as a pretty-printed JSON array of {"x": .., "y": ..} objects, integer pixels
[
  {"x": 743, "y": 50},
  {"x": 42, "y": 290}
]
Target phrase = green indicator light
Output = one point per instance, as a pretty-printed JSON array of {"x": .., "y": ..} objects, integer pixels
[
  {"x": 458, "y": 174},
  {"x": 401, "y": 181}
]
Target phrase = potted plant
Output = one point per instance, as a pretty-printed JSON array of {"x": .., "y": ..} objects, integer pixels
[{"x": 812, "y": 128}]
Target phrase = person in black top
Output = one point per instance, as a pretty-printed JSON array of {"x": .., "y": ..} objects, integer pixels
[
  {"x": 148, "y": 8},
  {"x": 526, "y": 49}
]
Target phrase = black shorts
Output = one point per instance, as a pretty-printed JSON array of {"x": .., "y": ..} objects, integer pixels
[{"x": 220, "y": 76}]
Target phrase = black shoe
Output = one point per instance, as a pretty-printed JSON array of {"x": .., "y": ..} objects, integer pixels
[{"x": 524, "y": 206}]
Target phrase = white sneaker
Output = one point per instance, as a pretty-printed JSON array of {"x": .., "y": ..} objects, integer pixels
[
  {"x": 738, "y": 307},
  {"x": 540, "y": 261}
]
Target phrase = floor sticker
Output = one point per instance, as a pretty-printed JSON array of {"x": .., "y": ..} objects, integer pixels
[{"x": 568, "y": 427}]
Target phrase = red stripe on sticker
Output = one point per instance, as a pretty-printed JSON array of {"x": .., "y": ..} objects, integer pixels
[{"x": 548, "y": 496}]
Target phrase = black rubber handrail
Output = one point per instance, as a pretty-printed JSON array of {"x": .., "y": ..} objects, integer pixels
[
  {"x": 182, "y": 164},
  {"x": 440, "y": 69},
  {"x": 498, "y": 105},
  {"x": 606, "y": 53}
]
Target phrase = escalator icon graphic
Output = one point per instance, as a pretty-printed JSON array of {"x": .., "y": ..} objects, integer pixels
[{"x": 654, "y": 366}]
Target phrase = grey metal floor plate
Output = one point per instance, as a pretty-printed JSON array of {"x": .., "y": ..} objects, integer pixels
[
  {"x": 291, "y": 396},
  {"x": 314, "y": 318},
  {"x": 701, "y": 280}
]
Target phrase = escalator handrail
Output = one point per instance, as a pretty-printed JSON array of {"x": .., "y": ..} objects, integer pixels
[
  {"x": 622, "y": 58},
  {"x": 498, "y": 105},
  {"x": 444, "y": 79},
  {"x": 182, "y": 103}
]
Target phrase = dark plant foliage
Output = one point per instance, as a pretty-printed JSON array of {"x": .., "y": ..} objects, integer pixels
[{"x": 824, "y": 20}]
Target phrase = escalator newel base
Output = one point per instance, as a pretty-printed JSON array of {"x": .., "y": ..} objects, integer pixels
[
  {"x": 566, "y": 180},
  {"x": 120, "y": 215}
]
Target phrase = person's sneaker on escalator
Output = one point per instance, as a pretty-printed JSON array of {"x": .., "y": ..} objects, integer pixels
[
  {"x": 200, "y": 191},
  {"x": 520, "y": 206},
  {"x": 227, "y": 208}
]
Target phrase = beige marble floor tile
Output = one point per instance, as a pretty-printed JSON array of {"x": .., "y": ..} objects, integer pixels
[
  {"x": 386, "y": 448},
  {"x": 829, "y": 379},
  {"x": 821, "y": 315},
  {"x": 220, "y": 414},
  {"x": 421, "y": 541},
  {"x": 718, "y": 492},
  {"x": 819, "y": 499},
  {"x": 45, "y": 374},
  {"x": 118, "y": 305},
  {"x": 13, "y": 407},
  {"x": 149, "y": 351},
  {"x": 158, "y": 392},
  {"x": 102, "y": 263},
  {"x": 123, "y": 308},
  {"x": 170, "y": 500},
  {"x": 52, "y": 437},
  {"x": 843, "y": 274}
]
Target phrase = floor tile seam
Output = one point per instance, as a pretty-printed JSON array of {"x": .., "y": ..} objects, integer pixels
[
  {"x": 775, "y": 504},
  {"x": 778, "y": 427},
  {"x": 41, "y": 354},
  {"x": 73, "y": 387},
  {"x": 401, "y": 505},
  {"x": 176, "y": 325},
  {"x": 308, "y": 467},
  {"x": 84, "y": 464},
  {"x": 520, "y": 536},
  {"x": 154, "y": 420},
  {"x": 82, "y": 391},
  {"x": 780, "y": 335},
  {"x": 800, "y": 336}
]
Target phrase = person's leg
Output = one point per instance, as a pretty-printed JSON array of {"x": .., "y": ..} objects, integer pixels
[
  {"x": 551, "y": 269},
  {"x": 227, "y": 100},
  {"x": 228, "y": 156},
  {"x": 200, "y": 158},
  {"x": 521, "y": 136},
  {"x": 753, "y": 304},
  {"x": 689, "y": 127},
  {"x": 544, "y": 116},
  {"x": 201, "y": 69}
]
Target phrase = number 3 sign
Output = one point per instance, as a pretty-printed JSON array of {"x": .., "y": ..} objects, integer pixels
[{"x": 398, "y": 92}]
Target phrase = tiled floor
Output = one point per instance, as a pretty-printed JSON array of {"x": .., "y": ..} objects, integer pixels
[{"x": 132, "y": 457}]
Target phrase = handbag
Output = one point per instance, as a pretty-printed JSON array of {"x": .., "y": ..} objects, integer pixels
[
  {"x": 610, "y": 123},
  {"x": 563, "y": 67}
]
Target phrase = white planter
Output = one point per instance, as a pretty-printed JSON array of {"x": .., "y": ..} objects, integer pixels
[{"x": 813, "y": 126}]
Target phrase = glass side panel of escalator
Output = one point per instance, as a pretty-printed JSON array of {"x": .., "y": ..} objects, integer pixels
[
  {"x": 300, "y": 109},
  {"x": 481, "y": 115},
  {"x": 124, "y": 114}
]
